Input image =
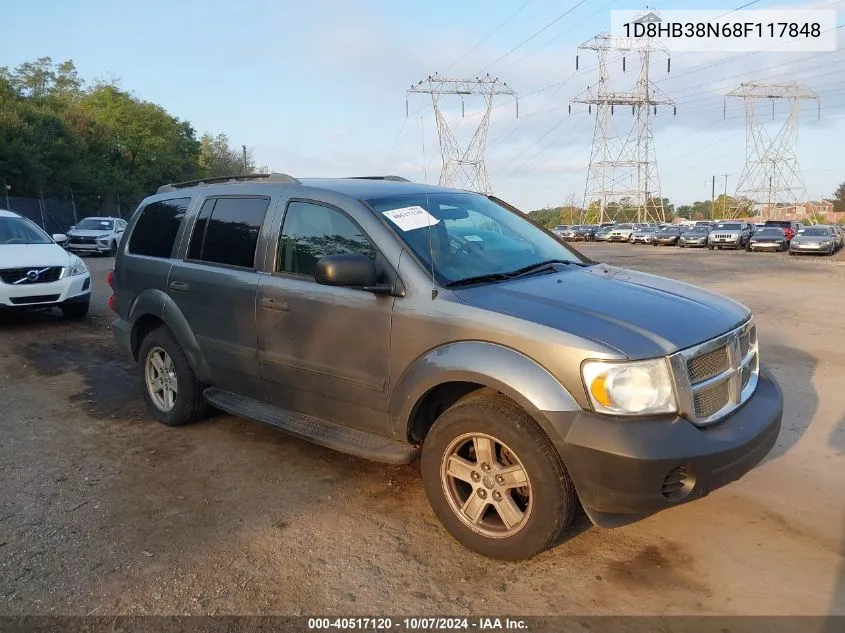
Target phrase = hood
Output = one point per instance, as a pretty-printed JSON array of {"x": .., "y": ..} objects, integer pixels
[
  {"x": 88, "y": 233},
  {"x": 26, "y": 255},
  {"x": 640, "y": 315},
  {"x": 768, "y": 238}
]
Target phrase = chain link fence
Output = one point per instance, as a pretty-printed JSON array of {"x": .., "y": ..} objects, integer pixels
[{"x": 55, "y": 215}]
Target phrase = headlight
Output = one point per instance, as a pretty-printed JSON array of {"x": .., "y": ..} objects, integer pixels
[
  {"x": 629, "y": 388},
  {"x": 77, "y": 266}
]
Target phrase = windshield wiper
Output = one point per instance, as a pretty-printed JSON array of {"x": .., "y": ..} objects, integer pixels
[
  {"x": 479, "y": 279},
  {"x": 541, "y": 267}
]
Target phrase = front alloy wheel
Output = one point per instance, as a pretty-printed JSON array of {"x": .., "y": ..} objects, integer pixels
[
  {"x": 160, "y": 375},
  {"x": 486, "y": 485},
  {"x": 494, "y": 480}
]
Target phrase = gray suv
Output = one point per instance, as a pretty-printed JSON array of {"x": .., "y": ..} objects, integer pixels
[{"x": 392, "y": 320}]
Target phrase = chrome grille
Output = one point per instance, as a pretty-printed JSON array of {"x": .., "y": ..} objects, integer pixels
[
  {"x": 724, "y": 236},
  {"x": 708, "y": 365},
  {"x": 31, "y": 275},
  {"x": 715, "y": 377},
  {"x": 711, "y": 400}
]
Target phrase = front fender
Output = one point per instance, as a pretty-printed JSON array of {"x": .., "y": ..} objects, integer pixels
[
  {"x": 154, "y": 302},
  {"x": 495, "y": 366}
]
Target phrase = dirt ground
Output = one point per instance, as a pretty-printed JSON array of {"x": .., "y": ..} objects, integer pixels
[{"x": 103, "y": 511}]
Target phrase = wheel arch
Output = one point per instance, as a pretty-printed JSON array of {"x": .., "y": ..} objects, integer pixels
[
  {"x": 154, "y": 308},
  {"x": 444, "y": 375}
]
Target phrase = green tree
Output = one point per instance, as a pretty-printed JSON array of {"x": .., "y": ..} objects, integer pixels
[
  {"x": 58, "y": 135},
  {"x": 839, "y": 198},
  {"x": 218, "y": 158}
]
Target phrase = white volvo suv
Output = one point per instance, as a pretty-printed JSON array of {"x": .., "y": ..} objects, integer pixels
[{"x": 35, "y": 272}]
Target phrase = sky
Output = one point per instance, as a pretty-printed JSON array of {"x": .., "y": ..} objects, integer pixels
[{"x": 319, "y": 88}]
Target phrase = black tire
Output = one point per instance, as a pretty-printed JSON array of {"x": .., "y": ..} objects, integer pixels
[
  {"x": 189, "y": 405},
  {"x": 75, "y": 311},
  {"x": 792, "y": 252},
  {"x": 748, "y": 248},
  {"x": 710, "y": 247},
  {"x": 554, "y": 501},
  {"x": 113, "y": 249}
]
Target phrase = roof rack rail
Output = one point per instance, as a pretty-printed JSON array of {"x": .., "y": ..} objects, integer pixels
[
  {"x": 393, "y": 178},
  {"x": 274, "y": 177}
]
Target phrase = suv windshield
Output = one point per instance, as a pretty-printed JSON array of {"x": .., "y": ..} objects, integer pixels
[
  {"x": 470, "y": 235},
  {"x": 781, "y": 223},
  {"x": 20, "y": 231},
  {"x": 728, "y": 227},
  {"x": 94, "y": 224}
]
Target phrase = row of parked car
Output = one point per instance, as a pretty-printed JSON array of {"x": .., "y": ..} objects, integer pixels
[{"x": 772, "y": 235}]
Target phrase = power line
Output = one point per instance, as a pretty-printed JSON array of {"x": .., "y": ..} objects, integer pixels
[
  {"x": 490, "y": 34},
  {"x": 542, "y": 30}
]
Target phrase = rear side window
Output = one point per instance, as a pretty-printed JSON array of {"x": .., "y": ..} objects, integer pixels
[
  {"x": 156, "y": 228},
  {"x": 227, "y": 230}
]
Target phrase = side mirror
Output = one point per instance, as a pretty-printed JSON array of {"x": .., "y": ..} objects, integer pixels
[
  {"x": 60, "y": 238},
  {"x": 72, "y": 227},
  {"x": 350, "y": 270}
]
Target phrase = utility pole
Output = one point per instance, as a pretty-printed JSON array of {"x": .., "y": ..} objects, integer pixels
[
  {"x": 6, "y": 193},
  {"x": 463, "y": 167},
  {"x": 771, "y": 173},
  {"x": 244, "y": 151},
  {"x": 623, "y": 166},
  {"x": 713, "y": 199},
  {"x": 73, "y": 206}
]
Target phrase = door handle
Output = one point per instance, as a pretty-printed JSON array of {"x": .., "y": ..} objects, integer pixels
[
  {"x": 179, "y": 286},
  {"x": 274, "y": 303}
]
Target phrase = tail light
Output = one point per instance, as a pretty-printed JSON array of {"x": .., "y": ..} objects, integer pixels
[{"x": 112, "y": 301}]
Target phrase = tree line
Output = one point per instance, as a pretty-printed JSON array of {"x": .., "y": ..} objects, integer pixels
[{"x": 63, "y": 137}]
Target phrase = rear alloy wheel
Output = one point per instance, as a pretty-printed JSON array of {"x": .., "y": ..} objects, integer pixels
[
  {"x": 494, "y": 480},
  {"x": 172, "y": 392}
]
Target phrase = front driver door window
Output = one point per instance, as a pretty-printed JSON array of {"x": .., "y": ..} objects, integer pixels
[{"x": 323, "y": 350}]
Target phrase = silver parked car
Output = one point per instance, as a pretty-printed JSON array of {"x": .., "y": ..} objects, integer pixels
[
  {"x": 695, "y": 236},
  {"x": 729, "y": 234},
  {"x": 643, "y": 235},
  {"x": 96, "y": 235},
  {"x": 813, "y": 239}
]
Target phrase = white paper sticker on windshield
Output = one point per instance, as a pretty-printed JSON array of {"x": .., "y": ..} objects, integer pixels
[
  {"x": 473, "y": 238},
  {"x": 410, "y": 218}
]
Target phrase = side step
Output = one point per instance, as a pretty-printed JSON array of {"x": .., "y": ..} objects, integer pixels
[{"x": 340, "y": 438}]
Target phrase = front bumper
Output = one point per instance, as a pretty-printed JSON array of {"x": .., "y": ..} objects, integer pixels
[
  {"x": 101, "y": 246},
  {"x": 799, "y": 247},
  {"x": 619, "y": 466},
  {"x": 766, "y": 246},
  {"x": 617, "y": 238},
  {"x": 693, "y": 242},
  {"x": 76, "y": 289},
  {"x": 724, "y": 241}
]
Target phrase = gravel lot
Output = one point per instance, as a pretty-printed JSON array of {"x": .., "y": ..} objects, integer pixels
[{"x": 104, "y": 511}]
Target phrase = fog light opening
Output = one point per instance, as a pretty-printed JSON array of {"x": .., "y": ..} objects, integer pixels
[{"x": 678, "y": 484}]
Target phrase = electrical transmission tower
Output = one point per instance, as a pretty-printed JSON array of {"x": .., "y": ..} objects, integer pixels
[
  {"x": 463, "y": 167},
  {"x": 771, "y": 177},
  {"x": 622, "y": 178}
]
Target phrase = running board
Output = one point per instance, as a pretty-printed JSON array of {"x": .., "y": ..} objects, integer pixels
[{"x": 340, "y": 438}]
